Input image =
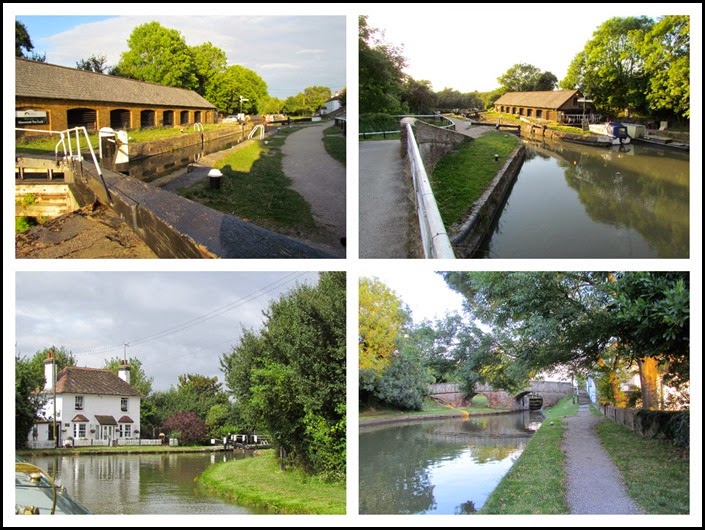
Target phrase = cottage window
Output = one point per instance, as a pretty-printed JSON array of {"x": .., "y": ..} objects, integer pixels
[
  {"x": 79, "y": 430},
  {"x": 125, "y": 430},
  {"x": 123, "y": 404},
  {"x": 79, "y": 403}
]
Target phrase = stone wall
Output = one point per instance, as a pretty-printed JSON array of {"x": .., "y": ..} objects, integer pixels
[{"x": 434, "y": 143}]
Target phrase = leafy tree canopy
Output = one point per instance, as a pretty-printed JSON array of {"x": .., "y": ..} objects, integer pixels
[
  {"x": 138, "y": 378},
  {"x": 526, "y": 78}
]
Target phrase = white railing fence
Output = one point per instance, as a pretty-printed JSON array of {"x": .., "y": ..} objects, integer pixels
[{"x": 435, "y": 240}]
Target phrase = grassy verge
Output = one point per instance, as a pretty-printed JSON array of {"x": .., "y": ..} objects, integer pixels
[
  {"x": 255, "y": 188},
  {"x": 536, "y": 482},
  {"x": 655, "y": 472},
  {"x": 430, "y": 408},
  {"x": 367, "y": 137},
  {"x": 259, "y": 483},
  {"x": 461, "y": 176},
  {"x": 334, "y": 142}
]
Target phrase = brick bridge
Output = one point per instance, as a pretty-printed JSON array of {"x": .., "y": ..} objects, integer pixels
[{"x": 550, "y": 391}]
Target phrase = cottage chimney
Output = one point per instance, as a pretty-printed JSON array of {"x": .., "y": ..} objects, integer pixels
[
  {"x": 124, "y": 371},
  {"x": 49, "y": 372}
]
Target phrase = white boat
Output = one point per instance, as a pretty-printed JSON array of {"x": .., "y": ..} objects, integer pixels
[
  {"x": 37, "y": 494},
  {"x": 614, "y": 130}
]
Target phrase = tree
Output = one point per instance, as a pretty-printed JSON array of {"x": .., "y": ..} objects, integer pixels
[
  {"x": 188, "y": 426},
  {"x": 23, "y": 42},
  {"x": 29, "y": 378},
  {"x": 209, "y": 61},
  {"x": 271, "y": 105},
  {"x": 543, "y": 320},
  {"x": 666, "y": 51},
  {"x": 138, "y": 378},
  {"x": 610, "y": 69},
  {"x": 405, "y": 382},
  {"x": 289, "y": 378},
  {"x": 95, "y": 63},
  {"x": 158, "y": 55},
  {"x": 419, "y": 96},
  {"x": 234, "y": 83},
  {"x": 381, "y": 72},
  {"x": 197, "y": 393},
  {"x": 382, "y": 319},
  {"x": 526, "y": 78}
]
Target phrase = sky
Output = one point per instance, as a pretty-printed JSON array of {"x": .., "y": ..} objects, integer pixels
[
  {"x": 290, "y": 53},
  {"x": 425, "y": 292},
  {"x": 173, "y": 322},
  {"x": 466, "y": 47}
]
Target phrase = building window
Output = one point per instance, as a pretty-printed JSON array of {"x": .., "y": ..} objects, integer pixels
[
  {"x": 123, "y": 404},
  {"x": 125, "y": 430},
  {"x": 79, "y": 430},
  {"x": 79, "y": 403}
]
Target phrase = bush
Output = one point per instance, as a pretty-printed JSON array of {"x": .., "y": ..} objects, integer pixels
[
  {"x": 377, "y": 122},
  {"x": 190, "y": 428},
  {"x": 673, "y": 426},
  {"x": 404, "y": 383}
]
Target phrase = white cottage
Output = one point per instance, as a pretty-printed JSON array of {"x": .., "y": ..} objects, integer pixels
[{"x": 91, "y": 404}]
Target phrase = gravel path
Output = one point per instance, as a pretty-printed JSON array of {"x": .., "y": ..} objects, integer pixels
[
  {"x": 320, "y": 179},
  {"x": 384, "y": 206},
  {"x": 595, "y": 485}
]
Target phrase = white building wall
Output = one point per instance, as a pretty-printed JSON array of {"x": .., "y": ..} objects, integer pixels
[{"x": 92, "y": 405}]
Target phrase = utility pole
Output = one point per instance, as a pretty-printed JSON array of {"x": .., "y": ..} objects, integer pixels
[{"x": 53, "y": 385}]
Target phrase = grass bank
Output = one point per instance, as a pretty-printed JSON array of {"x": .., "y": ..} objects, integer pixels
[
  {"x": 656, "y": 473},
  {"x": 260, "y": 483},
  {"x": 536, "y": 482},
  {"x": 462, "y": 176},
  {"x": 255, "y": 188},
  {"x": 430, "y": 408},
  {"x": 334, "y": 143}
]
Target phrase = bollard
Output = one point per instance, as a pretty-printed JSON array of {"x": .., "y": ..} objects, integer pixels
[{"x": 215, "y": 175}]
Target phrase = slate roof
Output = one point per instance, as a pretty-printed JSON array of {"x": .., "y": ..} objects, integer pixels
[
  {"x": 543, "y": 99},
  {"x": 126, "y": 419},
  {"x": 49, "y": 81},
  {"x": 77, "y": 380},
  {"x": 79, "y": 418}
]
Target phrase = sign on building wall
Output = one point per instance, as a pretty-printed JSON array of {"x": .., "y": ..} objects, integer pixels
[{"x": 31, "y": 117}]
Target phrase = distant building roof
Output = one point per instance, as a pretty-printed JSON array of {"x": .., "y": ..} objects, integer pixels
[
  {"x": 75, "y": 380},
  {"x": 544, "y": 99},
  {"x": 41, "y": 80}
]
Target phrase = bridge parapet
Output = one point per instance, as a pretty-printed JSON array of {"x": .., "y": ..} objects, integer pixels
[{"x": 550, "y": 391}]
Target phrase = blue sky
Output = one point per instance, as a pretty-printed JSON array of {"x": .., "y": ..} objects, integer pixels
[{"x": 289, "y": 52}]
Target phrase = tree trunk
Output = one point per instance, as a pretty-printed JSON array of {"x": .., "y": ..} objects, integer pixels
[
  {"x": 617, "y": 395},
  {"x": 648, "y": 375}
]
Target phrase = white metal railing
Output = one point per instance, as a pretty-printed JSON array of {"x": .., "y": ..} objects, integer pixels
[
  {"x": 68, "y": 147},
  {"x": 254, "y": 130},
  {"x": 434, "y": 238},
  {"x": 198, "y": 126}
]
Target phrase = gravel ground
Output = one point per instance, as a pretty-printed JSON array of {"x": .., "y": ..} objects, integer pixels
[{"x": 595, "y": 485}]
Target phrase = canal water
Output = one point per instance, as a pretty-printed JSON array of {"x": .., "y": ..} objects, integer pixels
[
  {"x": 447, "y": 466},
  {"x": 576, "y": 201},
  {"x": 140, "y": 483}
]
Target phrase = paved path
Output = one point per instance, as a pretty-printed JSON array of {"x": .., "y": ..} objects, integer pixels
[
  {"x": 320, "y": 179},
  {"x": 468, "y": 129},
  {"x": 384, "y": 205},
  {"x": 595, "y": 485}
]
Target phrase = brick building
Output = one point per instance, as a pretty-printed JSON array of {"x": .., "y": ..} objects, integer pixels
[
  {"x": 51, "y": 97},
  {"x": 552, "y": 105}
]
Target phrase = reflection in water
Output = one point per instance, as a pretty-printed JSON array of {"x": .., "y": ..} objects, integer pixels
[
  {"x": 439, "y": 466},
  {"x": 139, "y": 484},
  {"x": 575, "y": 201}
]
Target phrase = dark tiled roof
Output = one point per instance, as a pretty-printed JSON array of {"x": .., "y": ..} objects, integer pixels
[
  {"x": 76, "y": 380},
  {"x": 544, "y": 99},
  {"x": 126, "y": 419},
  {"x": 41, "y": 80},
  {"x": 79, "y": 418},
  {"x": 105, "y": 420}
]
